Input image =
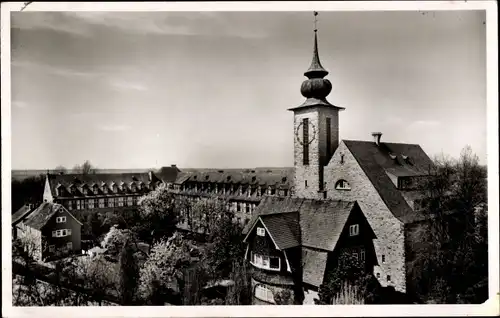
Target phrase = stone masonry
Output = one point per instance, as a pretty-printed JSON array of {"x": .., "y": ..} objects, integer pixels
[{"x": 388, "y": 229}]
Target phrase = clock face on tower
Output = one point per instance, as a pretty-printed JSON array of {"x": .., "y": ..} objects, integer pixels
[{"x": 305, "y": 136}]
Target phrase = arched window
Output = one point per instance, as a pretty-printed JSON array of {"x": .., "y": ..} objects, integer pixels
[{"x": 342, "y": 185}]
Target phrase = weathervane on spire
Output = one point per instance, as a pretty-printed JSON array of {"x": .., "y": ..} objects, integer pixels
[{"x": 315, "y": 21}]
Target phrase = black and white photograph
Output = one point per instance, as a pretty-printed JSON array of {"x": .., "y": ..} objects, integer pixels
[{"x": 295, "y": 158}]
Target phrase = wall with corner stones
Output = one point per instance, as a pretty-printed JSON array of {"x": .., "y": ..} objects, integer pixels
[{"x": 388, "y": 229}]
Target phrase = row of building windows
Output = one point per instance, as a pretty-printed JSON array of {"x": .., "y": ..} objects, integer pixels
[
  {"x": 101, "y": 203},
  {"x": 229, "y": 190},
  {"x": 68, "y": 246},
  {"x": 61, "y": 233},
  {"x": 85, "y": 190}
]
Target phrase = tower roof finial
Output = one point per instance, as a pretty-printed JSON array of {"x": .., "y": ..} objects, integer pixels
[{"x": 316, "y": 70}]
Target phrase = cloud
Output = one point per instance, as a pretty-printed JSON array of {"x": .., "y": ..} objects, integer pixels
[
  {"x": 424, "y": 124},
  {"x": 19, "y": 104},
  {"x": 53, "y": 21},
  {"x": 84, "y": 23},
  {"x": 56, "y": 70},
  {"x": 127, "y": 85},
  {"x": 114, "y": 128}
]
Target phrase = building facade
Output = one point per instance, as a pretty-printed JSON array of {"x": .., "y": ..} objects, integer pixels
[
  {"x": 379, "y": 177},
  {"x": 241, "y": 189}
]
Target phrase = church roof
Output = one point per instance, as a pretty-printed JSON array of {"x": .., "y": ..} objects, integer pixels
[{"x": 379, "y": 160}]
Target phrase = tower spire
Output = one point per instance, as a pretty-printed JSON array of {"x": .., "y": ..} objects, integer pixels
[{"x": 316, "y": 70}]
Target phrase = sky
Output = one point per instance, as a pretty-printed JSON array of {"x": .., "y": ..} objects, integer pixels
[{"x": 212, "y": 89}]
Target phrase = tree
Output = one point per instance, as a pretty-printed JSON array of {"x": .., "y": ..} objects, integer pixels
[
  {"x": 157, "y": 214},
  {"x": 161, "y": 275},
  {"x": 28, "y": 190},
  {"x": 225, "y": 242},
  {"x": 283, "y": 297},
  {"x": 115, "y": 240},
  {"x": 349, "y": 276},
  {"x": 240, "y": 292},
  {"x": 60, "y": 169},
  {"x": 129, "y": 275},
  {"x": 85, "y": 168},
  {"x": 449, "y": 263}
]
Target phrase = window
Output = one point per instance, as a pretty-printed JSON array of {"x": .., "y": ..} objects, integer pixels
[
  {"x": 134, "y": 200},
  {"x": 266, "y": 262},
  {"x": 61, "y": 233},
  {"x": 69, "y": 245},
  {"x": 378, "y": 275},
  {"x": 342, "y": 159},
  {"x": 383, "y": 259},
  {"x": 261, "y": 231},
  {"x": 129, "y": 201},
  {"x": 238, "y": 207},
  {"x": 305, "y": 140},
  {"x": 101, "y": 203},
  {"x": 52, "y": 248},
  {"x": 111, "y": 202},
  {"x": 329, "y": 137},
  {"x": 115, "y": 188},
  {"x": 248, "y": 208},
  {"x": 60, "y": 219},
  {"x": 342, "y": 185},
  {"x": 120, "y": 201},
  {"x": 305, "y": 183},
  {"x": 273, "y": 191},
  {"x": 70, "y": 205},
  {"x": 354, "y": 230},
  {"x": 78, "y": 206},
  {"x": 264, "y": 294},
  {"x": 85, "y": 191},
  {"x": 362, "y": 255},
  {"x": 388, "y": 278},
  {"x": 105, "y": 190}
]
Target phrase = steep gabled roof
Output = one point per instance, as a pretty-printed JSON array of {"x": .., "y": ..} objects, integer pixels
[
  {"x": 41, "y": 215},
  {"x": 378, "y": 160},
  {"x": 283, "y": 228},
  {"x": 322, "y": 222}
]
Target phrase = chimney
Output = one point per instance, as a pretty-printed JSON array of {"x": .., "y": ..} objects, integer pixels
[{"x": 376, "y": 137}]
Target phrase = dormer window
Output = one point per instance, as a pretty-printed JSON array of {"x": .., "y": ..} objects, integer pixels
[
  {"x": 95, "y": 188},
  {"x": 105, "y": 189},
  {"x": 342, "y": 185},
  {"x": 133, "y": 187},
  {"x": 72, "y": 189},
  {"x": 85, "y": 190},
  {"x": 261, "y": 231},
  {"x": 115, "y": 188}
]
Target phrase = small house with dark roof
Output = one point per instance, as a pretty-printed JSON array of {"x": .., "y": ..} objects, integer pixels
[
  {"x": 293, "y": 242},
  {"x": 50, "y": 230}
]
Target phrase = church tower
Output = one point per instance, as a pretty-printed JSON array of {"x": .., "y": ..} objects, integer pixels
[{"x": 316, "y": 130}]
